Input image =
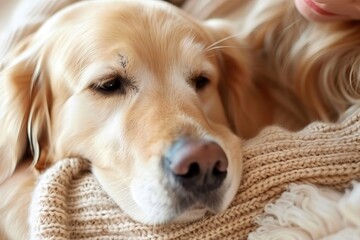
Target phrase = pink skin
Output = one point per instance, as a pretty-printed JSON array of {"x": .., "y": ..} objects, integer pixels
[{"x": 329, "y": 10}]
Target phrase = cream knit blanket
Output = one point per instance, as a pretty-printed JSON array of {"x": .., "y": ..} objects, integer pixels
[
  {"x": 307, "y": 212},
  {"x": 69, "y": 203}
]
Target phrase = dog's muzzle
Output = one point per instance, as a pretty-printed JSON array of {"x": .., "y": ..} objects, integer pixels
[{"x": 195, "y": 171}]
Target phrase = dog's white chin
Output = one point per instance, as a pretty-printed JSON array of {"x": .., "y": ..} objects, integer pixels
[{"x": 190, "y": 216}]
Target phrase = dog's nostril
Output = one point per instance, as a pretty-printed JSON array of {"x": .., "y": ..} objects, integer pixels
[
  {"x": 219, "y": 169},
  {"x": 198, "y": 165},
  {"x": 194, "y": 170}
]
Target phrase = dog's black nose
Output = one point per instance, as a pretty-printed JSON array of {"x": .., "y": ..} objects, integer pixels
[{"x": 198, "y": 165}]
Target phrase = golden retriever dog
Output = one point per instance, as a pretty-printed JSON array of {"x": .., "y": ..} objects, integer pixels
[{"x": 151, "y": 97}]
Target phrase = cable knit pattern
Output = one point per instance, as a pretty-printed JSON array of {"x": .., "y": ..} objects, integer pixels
[{"x": 70, "y": 204}]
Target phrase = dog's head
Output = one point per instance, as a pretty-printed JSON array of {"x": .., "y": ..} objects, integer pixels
[{"x": 145, "y": 93}]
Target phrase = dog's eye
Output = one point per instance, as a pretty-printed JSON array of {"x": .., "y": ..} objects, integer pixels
[
  {"x": 110, "y": 85},
  {"x": 201, "y": 82},
  {"x": 113, "y": 85}
]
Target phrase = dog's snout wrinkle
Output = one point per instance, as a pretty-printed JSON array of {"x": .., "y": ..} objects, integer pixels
[{"x": 198, "y": 165}]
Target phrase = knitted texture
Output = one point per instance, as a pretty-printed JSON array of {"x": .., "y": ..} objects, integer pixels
[
  {"x": 307, "y": 212},
  {"x": 70, "y": 204}
]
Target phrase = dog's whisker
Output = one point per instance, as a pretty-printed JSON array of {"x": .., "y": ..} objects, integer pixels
[
  {"x": 225, "y": 46},
  {"x": 222, "y": 40}
]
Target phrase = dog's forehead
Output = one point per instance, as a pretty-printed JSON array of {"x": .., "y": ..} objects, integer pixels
[
  {"x": 111, "y": 14},
  {"x": 155, "y": 35}
]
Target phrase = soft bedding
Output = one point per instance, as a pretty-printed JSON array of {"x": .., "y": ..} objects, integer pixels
[{"x": 69, "y": 203}]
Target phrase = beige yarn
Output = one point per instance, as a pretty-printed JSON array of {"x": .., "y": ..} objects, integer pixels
[
  {"x": 70, "y": 204},
  {"x": 307, "y": 212}
]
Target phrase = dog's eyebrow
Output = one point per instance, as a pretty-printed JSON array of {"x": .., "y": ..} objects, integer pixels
[{"x": 123, "y": 60}]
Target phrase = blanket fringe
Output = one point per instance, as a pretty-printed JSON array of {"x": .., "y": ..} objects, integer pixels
[{"x": 309, "y": 212}]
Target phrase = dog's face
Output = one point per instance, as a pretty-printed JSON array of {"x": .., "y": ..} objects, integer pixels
[{"x": 138, "y": 89}]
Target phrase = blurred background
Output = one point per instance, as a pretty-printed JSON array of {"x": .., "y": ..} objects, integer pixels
[{"x": 6, "y": 7}]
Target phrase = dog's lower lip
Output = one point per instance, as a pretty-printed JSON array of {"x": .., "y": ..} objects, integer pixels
[
  {"x": 198, "y": 207},
  {"x": 202, "y": 207}
]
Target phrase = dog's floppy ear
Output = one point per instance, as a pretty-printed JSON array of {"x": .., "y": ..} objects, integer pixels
[
  {"x": 24, "y": 111},
  {"x": 240, "y": 95}
]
